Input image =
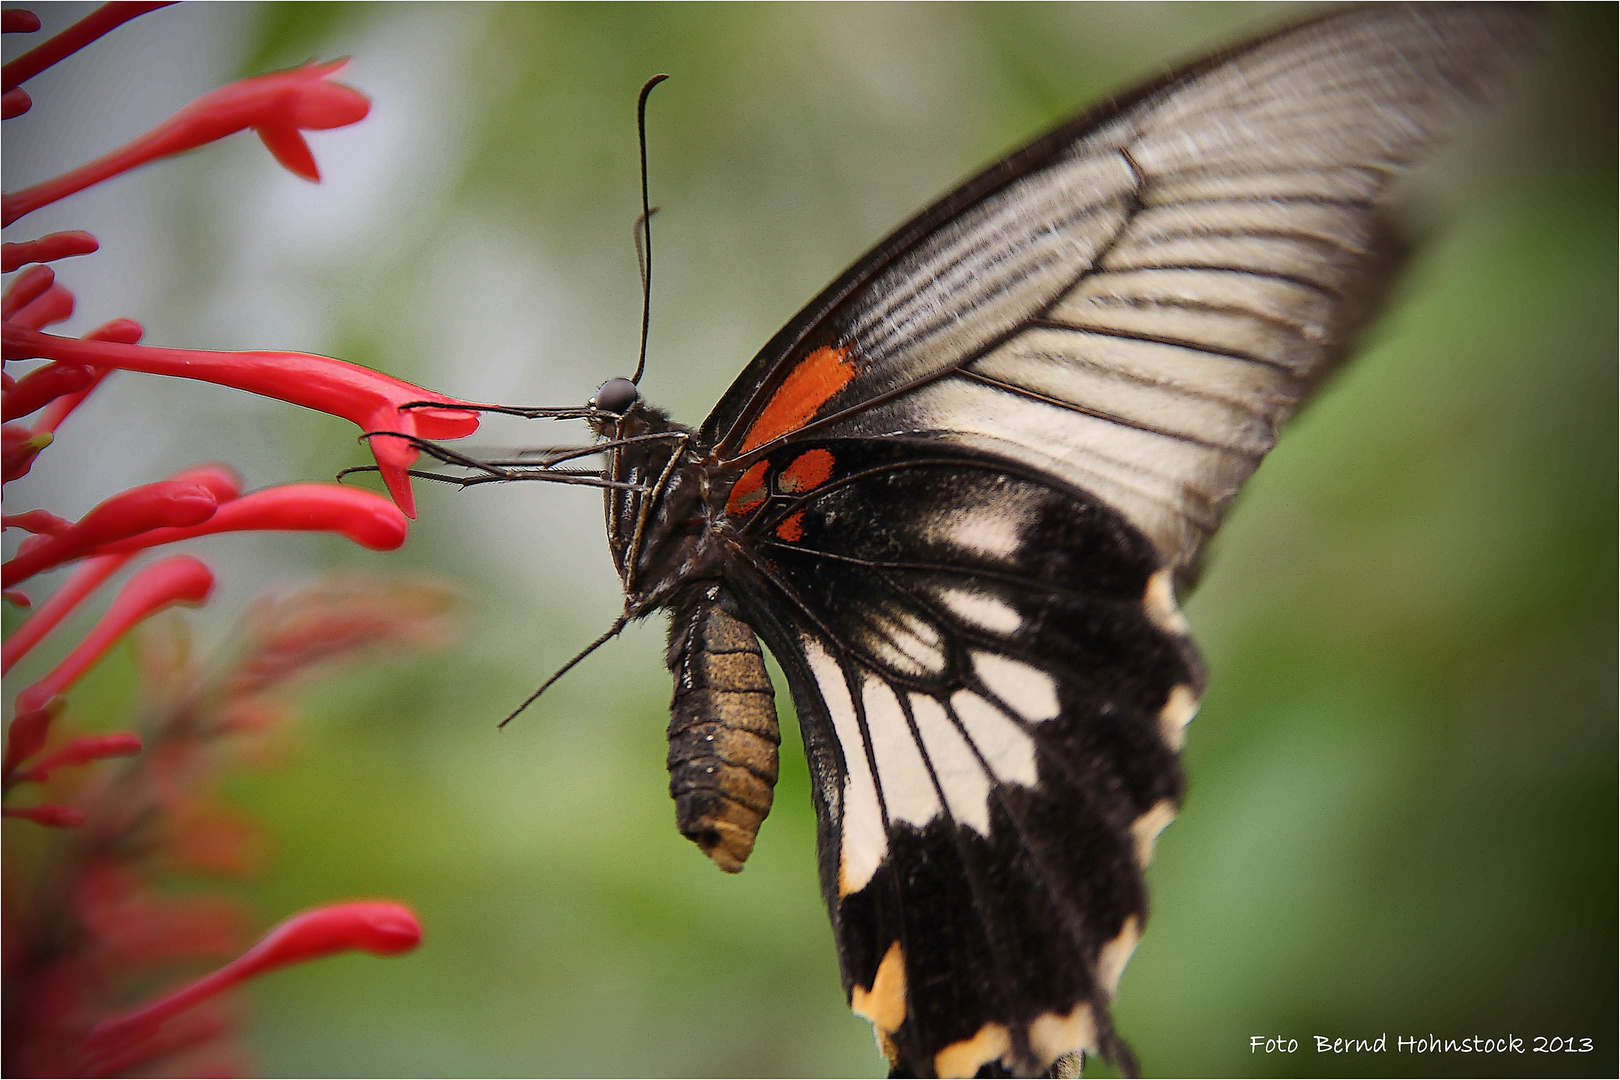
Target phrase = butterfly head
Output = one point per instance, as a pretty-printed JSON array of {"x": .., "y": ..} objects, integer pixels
[{"x": 615, "y": 397}]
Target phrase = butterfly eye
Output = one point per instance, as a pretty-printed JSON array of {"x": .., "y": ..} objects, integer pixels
[{"x": 615, "y": 396}]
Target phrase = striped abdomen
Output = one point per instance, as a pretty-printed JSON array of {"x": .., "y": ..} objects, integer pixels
[{"x": 722, "y": 731}]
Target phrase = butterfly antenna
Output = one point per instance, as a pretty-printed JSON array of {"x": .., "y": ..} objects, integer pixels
[
  {"x": 613, "y": 631},
  {"x": 644, "y": 232}
]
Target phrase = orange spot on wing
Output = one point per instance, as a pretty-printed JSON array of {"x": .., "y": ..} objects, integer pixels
[
  {"x": 806, "y": 389},
  {"x": 792, "y": 530},
  {"x": 809, "y": 470},
  {"x": 749, "y": 490}
]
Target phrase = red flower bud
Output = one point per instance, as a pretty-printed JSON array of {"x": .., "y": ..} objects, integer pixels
[
  {"x": 165, "y": 504},
  {"x": 24, "y": 289},
  {"x": 37, "y": 521},
  {"x": 17, "y": 597},
  {"x": 378, "y": 928},
  {"x": 84, "y": 581},
  {"x": 19, "y": 446},
  {"x": 57, "y": 817},
  {"x": 46, "y": 249},
  {"x": 27, "y": 734},
  {"x": 17, "y": 21},
  {"x": 369, "y": 520},
  {"x": 180, "y": 579},
  {"x": 277, "y": 105},
  {"x": 54, "y": 306},
  {"x": 82, "y": 750},
  {"x": 365, "y": 397},
  {"x": 15, "y": 102},
  {"x": 44, "y": 385}
]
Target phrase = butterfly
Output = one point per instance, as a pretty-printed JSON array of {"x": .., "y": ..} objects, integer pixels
[{"x": 957, "y": 495}]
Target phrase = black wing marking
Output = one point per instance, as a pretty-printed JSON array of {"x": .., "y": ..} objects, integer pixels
[
  {"x": 1139, "y": 300},
  {"x": 992, "y": 678}
]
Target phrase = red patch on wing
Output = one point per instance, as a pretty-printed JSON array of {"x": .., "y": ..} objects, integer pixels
[
  {"x": 809, "y": 470},
  {"x": 749, "y": 490},
  {"x": 806, "y": 389},
  {"x": 792, "y": 530}
]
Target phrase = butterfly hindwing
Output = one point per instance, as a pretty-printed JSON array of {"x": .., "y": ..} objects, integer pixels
[{"x": 996, "y": 662}]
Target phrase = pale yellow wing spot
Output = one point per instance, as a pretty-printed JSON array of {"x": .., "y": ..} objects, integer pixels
[
  {"x": 885, "y": 1003},
  {"x": 1113, "y": 956},
  {"x": 1146, "y": 829},
  {"x": 1053, "y": 1035},
  {"x": 966, "y": 1057},
  {"x": 1178, "y": 711},
  {"x": 1160, "y": 602}
]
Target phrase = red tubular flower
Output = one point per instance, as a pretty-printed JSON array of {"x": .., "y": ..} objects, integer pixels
[
  {"x": 46, "y": 249},
  {"x": 38, "y": 521},
  {"x": 180, "y": 579},
  {"x": 365, "y": 397},
  {"x": 369, "y": 520},
  {"x": 166, "y": 503},
  {"x": 278, "y": 106},
  {"x": 378, "y": 928},
  {"x": 84, "y": 581}
]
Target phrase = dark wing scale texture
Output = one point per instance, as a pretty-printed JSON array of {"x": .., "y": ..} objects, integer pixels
[{"x": 970, "y": 472}]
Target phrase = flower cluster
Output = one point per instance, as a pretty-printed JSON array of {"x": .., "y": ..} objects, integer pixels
[{"x": 83, "y": 928}]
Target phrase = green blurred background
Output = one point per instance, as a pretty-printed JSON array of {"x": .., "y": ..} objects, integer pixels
[{"x": 1402, "y": 815}]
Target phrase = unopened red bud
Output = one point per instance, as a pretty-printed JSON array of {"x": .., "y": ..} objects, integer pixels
[
  {"x": 17, "y": 598},
  {"x": 54, "y": 306},
  {"x": 15, "y": 102},
  {"x": 18, "y": 21},
  {"x": 369, "y": 520},
  {"x": 81, "y": 751},
  {"x": 179, "y": 579},
  {"x": 44, "y": 385},
  {"x": 380, "y": 928},
  {"x": 27, "y": 734},
  {"x": 83, "y": 581},
  {"x": 49, "y": 814},
  {"x": 46, "y": 249},
  {"x": 165, "y": 504},
  {"x": 25, "y": 288},
  {"x": 38, "y": 521},
  {"x": 19, "y": 446}
]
